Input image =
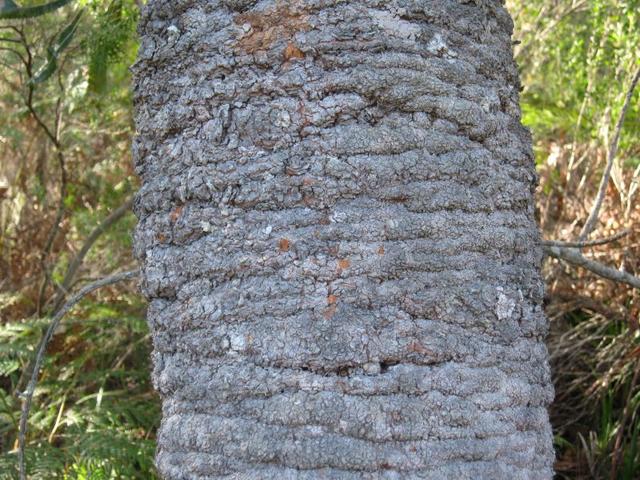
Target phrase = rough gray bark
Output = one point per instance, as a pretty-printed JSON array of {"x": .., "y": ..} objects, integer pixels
[{"x": 338, "y": 241}]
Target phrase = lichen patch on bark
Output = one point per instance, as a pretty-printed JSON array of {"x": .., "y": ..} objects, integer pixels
[{"x": 392, "y": 24}]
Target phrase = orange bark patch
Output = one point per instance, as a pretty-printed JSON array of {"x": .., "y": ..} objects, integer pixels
[
  {"x": 175, "y": 213},
  {"x": 281, "y": 22},
  {"x": 284, "y": 245},
  {"x": 343, "y": 264},
  {"x": 332, "y": 299},
  {"x": 292, "y": 52}
]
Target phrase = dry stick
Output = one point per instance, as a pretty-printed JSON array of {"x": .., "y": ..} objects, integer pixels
[
  {"x": 590, "y": 243},
  {"x": 576, "y": 258},
  {"x": 79, "y": 258},
  {"x": 28, "y": 395},
  {"x": 613, "y": 150},
  {"x": 577, "y": 301}
]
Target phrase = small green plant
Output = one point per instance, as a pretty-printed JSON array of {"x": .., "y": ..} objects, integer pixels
[{"x": 64, "y": 82}]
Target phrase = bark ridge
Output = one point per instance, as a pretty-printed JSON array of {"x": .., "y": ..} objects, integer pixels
[{"x": 338, "y": 241}]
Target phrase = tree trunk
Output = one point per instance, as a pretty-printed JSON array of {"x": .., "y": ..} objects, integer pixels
[{"x": 338, "y": 241}]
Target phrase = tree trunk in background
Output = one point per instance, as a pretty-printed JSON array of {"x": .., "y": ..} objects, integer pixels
[{"x": 338, "y": 240}]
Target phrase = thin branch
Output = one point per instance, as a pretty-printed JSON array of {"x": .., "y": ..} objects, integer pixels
[
  {"x": 590, "y": 243},
  {"x": 16, "y": 53},
  {"x": 613, "y": 150},
  {"x": 91, "y": 239},
  {"x": 29, "y": 101},
  {"x": 54, "y": 137},
  {"x": 574, "y": 257},
  {"x": 575, "y": 301},
  {"x": 13, "y": 69},
  {"x": 59, "y": 102},
  {"x": 53, "y": 232},
  {"x": 28, "y": 395}
]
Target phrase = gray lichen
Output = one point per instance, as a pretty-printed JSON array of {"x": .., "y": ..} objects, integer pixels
[{"x": 338, "y": 241}]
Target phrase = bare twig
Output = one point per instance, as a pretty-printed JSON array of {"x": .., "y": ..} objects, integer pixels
[
  {"x": 567, "y": 302},
  {"x": 590, "y": 243},
  {"x": 28, "y": 394},
  {"x": 16, "y": 53},
  {"x": 574, "y": 257},
  {"x": 9, "y": 67},
  {"x": 613, "y": 150},
  {"x": 78, "y": 259}
]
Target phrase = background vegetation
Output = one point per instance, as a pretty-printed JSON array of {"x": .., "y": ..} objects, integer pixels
[{"x": 65, "y": 190}]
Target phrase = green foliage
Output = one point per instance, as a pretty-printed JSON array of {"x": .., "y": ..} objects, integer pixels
[
  {"x": 109, "y": 41},
  {"x": 11, "y": 11},
  {"x": 95, "y": 413},
  {"x": 576, "y": 60},
  {"x": 53, "y": 51}
]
